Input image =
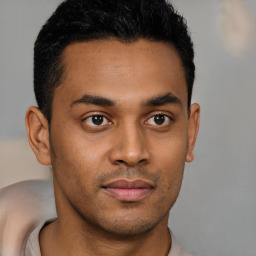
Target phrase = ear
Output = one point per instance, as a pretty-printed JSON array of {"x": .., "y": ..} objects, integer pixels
[
  {"x": 38, "y": 135},
  {"x": 193, "y": 127}
]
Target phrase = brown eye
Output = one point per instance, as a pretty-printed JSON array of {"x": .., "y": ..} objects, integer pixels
[
  {"x": 159, "y": 120},
  {"x": 96, "y": 120}
]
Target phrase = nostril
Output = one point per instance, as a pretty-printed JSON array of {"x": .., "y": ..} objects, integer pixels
[
  {"x": 140, "y": 162},
  {"x": 120, "y": 161},
  {"x": 143, "y": 161}
]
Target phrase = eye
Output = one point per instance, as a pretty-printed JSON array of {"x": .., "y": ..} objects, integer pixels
[
  {"x": 159, "y": 120},
  {"x": 96, "y": 120}
]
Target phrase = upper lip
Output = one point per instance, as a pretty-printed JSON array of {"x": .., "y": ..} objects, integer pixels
[{"x": 129, "y": 184}]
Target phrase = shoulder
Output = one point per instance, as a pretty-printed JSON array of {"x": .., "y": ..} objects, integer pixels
[
  {"x": 27, "y": 197},
  {"x": 35, "y": 186},
  {"x": 22, "y": 207}
]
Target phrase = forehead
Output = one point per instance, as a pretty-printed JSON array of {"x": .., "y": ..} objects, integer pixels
[{"x": 120, "y": 71}]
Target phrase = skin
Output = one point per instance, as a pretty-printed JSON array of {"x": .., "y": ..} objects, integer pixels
[{"x": 129, "y": 145}]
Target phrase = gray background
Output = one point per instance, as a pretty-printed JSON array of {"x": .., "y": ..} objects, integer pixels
[{"x": 215, "y": 212}]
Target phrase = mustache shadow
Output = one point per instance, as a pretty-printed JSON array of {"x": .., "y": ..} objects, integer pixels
[{"x": 128, "y": 173}]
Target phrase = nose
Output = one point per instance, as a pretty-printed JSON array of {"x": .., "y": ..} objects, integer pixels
[{"x": 130, "y": 147}]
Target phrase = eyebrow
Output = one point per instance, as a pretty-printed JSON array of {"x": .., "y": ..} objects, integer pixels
[
  {"x": 105, "y": 102},
  {"x": 94, "y": 100},
  {"x": 161, "y": 100}
]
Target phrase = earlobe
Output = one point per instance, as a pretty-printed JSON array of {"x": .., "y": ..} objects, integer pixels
[
  {"x": 38, "y": 135},
  {"x": 193, "y": 128}
]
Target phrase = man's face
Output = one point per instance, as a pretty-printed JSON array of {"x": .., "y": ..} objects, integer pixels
[{"x": 119, "y": 134}]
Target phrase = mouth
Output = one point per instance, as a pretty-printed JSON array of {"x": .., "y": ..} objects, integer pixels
[{"x": 129, "y": 190}]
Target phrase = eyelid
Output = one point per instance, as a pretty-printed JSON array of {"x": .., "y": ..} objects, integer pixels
[
  {"x": 164, "y": 113},
  {"x": 95, "y": 113},
  {"x": 90, "y": 115},
  {"x": 162, "y": 127}
]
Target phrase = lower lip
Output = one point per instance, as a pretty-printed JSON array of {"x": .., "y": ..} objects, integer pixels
[{"x": 128, "y": 194}]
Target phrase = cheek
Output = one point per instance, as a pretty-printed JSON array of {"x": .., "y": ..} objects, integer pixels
[
  {"x": 76, "y": 160},
  {"x": 169, "y": 153},
  {"x": 171, "y": 175},
  {"x": 169, "y": 160},
  {"x": 169, "y": 187},
  {"x": 70, "y": 146}
]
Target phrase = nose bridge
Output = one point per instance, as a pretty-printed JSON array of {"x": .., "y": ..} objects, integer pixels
[{"x": 131, "y": 146}]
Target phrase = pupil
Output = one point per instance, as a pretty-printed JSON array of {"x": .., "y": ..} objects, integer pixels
[
  {"x": 159, "y": 119},
  {"x": 97, "y": 120}
]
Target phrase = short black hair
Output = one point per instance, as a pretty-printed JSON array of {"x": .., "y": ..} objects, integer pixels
[{"x": 125, "y": 20}]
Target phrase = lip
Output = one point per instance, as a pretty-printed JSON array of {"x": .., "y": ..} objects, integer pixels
[{"x": 128, "y": 190}]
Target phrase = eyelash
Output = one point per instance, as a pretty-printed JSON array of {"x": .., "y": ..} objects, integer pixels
[
  {"x": 96, "y": 115},
  {"x": 95, "y": 126},
  {"x": 169, "y": 119}
]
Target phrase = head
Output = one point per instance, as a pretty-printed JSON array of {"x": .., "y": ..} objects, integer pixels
[{"x": 113, "y": 81}]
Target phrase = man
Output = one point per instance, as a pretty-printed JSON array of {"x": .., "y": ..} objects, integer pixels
[{"x": 113, "y": 81}]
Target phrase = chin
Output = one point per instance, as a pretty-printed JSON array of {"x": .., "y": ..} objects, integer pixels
[{"x": 128, "y": 227}]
